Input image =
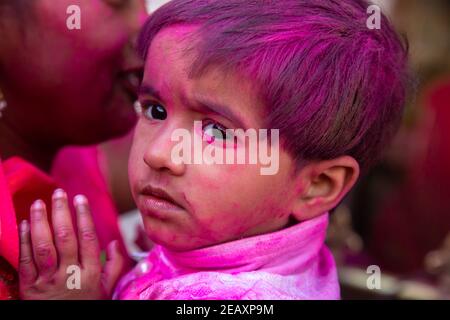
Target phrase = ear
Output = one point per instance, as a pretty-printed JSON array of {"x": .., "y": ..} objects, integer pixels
[{"x": 325, "y": 183}]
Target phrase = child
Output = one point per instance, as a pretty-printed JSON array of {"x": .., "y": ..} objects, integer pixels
[{"x": 312, "y": 70}]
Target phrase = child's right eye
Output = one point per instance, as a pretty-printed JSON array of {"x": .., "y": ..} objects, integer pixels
[{"x": 154, "y": 111}]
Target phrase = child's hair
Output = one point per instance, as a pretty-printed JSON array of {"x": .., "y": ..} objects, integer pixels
[{"x": 331, "y": 85}]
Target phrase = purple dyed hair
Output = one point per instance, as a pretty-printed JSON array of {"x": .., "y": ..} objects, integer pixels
[{"x": 332, "y": 86}]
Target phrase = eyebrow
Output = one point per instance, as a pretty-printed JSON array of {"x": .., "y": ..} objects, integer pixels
[
  {"x": 149, "y": 90},
  {"x": 219, "y": 109},
  {"x": 201, "y": 103}
]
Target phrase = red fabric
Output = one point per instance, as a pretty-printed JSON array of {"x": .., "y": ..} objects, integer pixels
[
  {"x": 25, "y": 184},
  {"x": 8, "y": 226},
  {"x": 77, "y": 170},
  {"x": 8, "y": 239}
]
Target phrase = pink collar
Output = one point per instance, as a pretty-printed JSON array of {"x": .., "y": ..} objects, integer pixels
[
  {"x": 291, "y": 248},
  {"x": 292, "y": 263}
]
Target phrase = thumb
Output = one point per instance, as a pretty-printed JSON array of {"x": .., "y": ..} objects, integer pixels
[{"x": 114, "y": 267}]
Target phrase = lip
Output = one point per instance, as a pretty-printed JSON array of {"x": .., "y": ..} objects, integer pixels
[{"x": 157, "y": 202}]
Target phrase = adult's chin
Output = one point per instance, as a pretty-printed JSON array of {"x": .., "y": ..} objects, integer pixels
[
  {"x": 120, "y": 114},
  {"x": 102, "y": 130},
  {"x": 119, "y": 118},
  {"x": 121, "y": 125}
]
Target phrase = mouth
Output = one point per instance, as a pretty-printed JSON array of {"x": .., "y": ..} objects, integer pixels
[
  {"x": 130, "y": 81},
  {"x": 157, "y": 202}
]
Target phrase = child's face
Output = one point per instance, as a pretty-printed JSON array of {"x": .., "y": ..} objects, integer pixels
[{"x": 214, "y": 203}]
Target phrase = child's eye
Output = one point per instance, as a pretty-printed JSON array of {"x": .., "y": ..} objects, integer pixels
[
  {"x": 213, "y": 131},
  {"x": 154, "y": 111}
]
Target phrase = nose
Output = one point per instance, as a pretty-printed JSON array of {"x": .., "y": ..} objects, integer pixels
[
  {"x": 136, "y": 16},
  {"x": 159, "y": 153},
  {"x": 140, "y": 15}
]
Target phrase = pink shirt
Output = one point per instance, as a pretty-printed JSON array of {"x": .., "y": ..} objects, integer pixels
[{"x": 292, "y": 263}]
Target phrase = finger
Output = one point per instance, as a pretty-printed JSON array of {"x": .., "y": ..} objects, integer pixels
[
  {"x": 87, "y": 237},
  {"x": 65, "y": 238},
  {"x": 42, "y": 240},
  {"x": 27, "y": 269},
  {"x": 114, "y": 267}
]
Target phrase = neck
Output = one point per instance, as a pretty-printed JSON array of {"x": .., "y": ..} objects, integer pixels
[{"x": 12, "y": 143}]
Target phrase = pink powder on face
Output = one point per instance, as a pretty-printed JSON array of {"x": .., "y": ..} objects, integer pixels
[{"x": 289, "y": 264}]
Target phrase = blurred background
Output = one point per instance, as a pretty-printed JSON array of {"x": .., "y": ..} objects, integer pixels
[{"x": 398, "y": 217}]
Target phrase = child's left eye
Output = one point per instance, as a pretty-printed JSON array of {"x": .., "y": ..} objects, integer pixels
[{"x": 213, "y": 131}]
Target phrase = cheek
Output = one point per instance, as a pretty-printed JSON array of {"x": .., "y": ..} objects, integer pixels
[
  {"x": 221, "y": 181},
  {"x": 242, "y": 188},
  {"x": 235, "y": 189},
  {"x": 96, "y": 46},
  {"x": 136, "y": 158},
  {"x": 133, "y": 166}
]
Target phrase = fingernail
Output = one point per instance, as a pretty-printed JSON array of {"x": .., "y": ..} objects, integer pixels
[
  {"x": 59, "y": 194},
  {"x": 24, "y": 226},
  {"x": 37, "y": 209},
  {"x": 113, "y": 247},
  {"x": 110, "y": 247},
  {"x": 80, "y": 200},
  {"x": 38, "y": 205}
]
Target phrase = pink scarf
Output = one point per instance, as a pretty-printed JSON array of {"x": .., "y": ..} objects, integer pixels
[{"x": 292, "y": 263}]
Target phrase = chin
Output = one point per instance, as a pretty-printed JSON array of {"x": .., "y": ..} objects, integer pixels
[
  {"x": 120, "y": 114},
  {"x": 123, "y": 128},
  {"x": 120, "y": 126}
]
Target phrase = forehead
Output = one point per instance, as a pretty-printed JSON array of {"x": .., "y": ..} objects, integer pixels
[
  {"x": 169, "y": 50},
  {"x": 168, "y": 65}
]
